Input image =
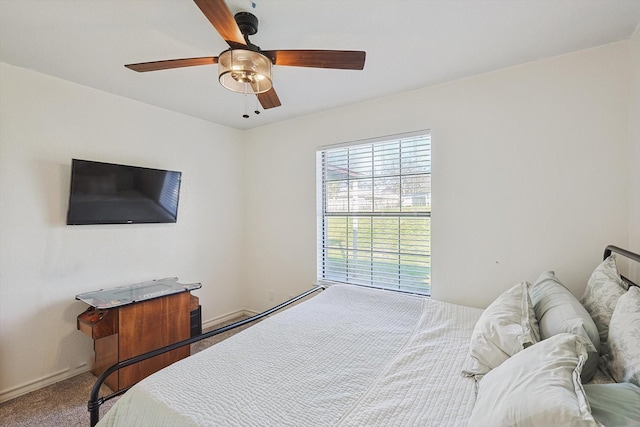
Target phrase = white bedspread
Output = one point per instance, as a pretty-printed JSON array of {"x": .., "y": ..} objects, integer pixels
[{"x": 349, "y": 356}]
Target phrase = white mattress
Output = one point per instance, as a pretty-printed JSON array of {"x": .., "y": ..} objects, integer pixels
[{"x": 349, "y": 356}]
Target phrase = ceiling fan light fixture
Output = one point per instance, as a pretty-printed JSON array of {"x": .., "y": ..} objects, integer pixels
[{"x": 244, "y": 71}]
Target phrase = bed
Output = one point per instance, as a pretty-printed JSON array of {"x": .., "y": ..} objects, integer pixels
[{"x": 356, "y": 356}]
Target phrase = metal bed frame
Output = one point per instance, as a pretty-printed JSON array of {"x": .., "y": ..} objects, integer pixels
[
  {"x": 95, "y": 401},
  {"x": 627, "y": 254}
]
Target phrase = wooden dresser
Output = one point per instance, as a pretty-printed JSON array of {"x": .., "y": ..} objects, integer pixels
[{"x": 151, "y": 315}]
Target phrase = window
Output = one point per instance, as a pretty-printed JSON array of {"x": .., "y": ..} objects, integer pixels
[{"x": 374, "y": 213}]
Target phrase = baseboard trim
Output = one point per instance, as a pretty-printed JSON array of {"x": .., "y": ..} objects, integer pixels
[
  {"x": 38, "y": 383},
  {"x": 248, "y": 312},
  {"x": 225, "y": 318}
]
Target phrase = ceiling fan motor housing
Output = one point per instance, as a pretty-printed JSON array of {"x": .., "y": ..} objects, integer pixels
[{"x": 247, "y": 22}]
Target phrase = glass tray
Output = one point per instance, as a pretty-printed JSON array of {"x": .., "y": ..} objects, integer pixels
[{"x": 123, "y": 295}]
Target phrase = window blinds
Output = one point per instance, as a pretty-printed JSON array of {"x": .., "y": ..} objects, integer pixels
[{"x": 374, "y": 213}]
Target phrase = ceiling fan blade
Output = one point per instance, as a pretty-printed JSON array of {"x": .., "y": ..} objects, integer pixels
[
  {"x": 172, "y": 63},
  {"x": 269, "y": 99},
  {"x": 222, "y": 20},
  {"x": 338, "y": 59}
]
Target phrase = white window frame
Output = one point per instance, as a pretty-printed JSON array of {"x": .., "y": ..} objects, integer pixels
[{"x": 384, "y": 204}]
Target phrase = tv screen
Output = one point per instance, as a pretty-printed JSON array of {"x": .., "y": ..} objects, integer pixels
[{"x": 106, "y": 193}]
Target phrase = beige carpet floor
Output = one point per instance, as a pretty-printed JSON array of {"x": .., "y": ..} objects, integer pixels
[{"x": 65, "y": 403}]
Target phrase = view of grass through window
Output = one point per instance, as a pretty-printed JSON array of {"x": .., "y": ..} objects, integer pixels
[{"x": 375, "y": 223}]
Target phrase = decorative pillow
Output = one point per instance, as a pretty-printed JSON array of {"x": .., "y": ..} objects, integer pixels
[
  {"x": 614, "y": 404},
  {"x": 540, "y": 386},
  {"x": 603, "y": 290},
  {"x": 558, "y": 310},
  {"x": 506, "y": 327},
  {"x": 623, "y": 360}
]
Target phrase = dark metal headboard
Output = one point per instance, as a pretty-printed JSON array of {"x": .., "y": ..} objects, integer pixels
[{"x": 624, "y": 253}]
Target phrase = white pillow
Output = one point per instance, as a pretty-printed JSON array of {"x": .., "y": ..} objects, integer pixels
[
  {"x": 558, "y": 310},
  {"x": 604, "y": 288},
  {"x": 506, "y": 327},
  {"x": 540, "y": 386},
  {"x": 623, "y": 360}
]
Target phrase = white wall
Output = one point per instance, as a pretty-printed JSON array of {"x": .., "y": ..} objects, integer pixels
[
  {"x": 530, "y": 173},
  {"x": 634, "y": 157},
  {"x": 44, "y": 263},
  {"x": 634, "y": 153}
]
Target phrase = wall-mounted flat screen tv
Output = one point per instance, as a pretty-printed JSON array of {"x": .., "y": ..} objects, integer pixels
[{"x": 107, "y": 193}]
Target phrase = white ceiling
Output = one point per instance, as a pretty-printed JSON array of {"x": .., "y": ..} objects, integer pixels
[{"x": 409, "y": 43}]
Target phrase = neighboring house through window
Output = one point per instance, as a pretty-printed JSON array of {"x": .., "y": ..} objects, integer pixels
[{"x": 374, "y": 213}]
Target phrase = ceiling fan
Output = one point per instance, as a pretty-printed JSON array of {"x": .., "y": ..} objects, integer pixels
[{"x": 246, "y": 68}]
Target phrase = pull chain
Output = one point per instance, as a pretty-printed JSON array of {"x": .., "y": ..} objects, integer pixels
[
  {"x": 246, "y": 103},
  {"x": 246, "y": 114}
]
